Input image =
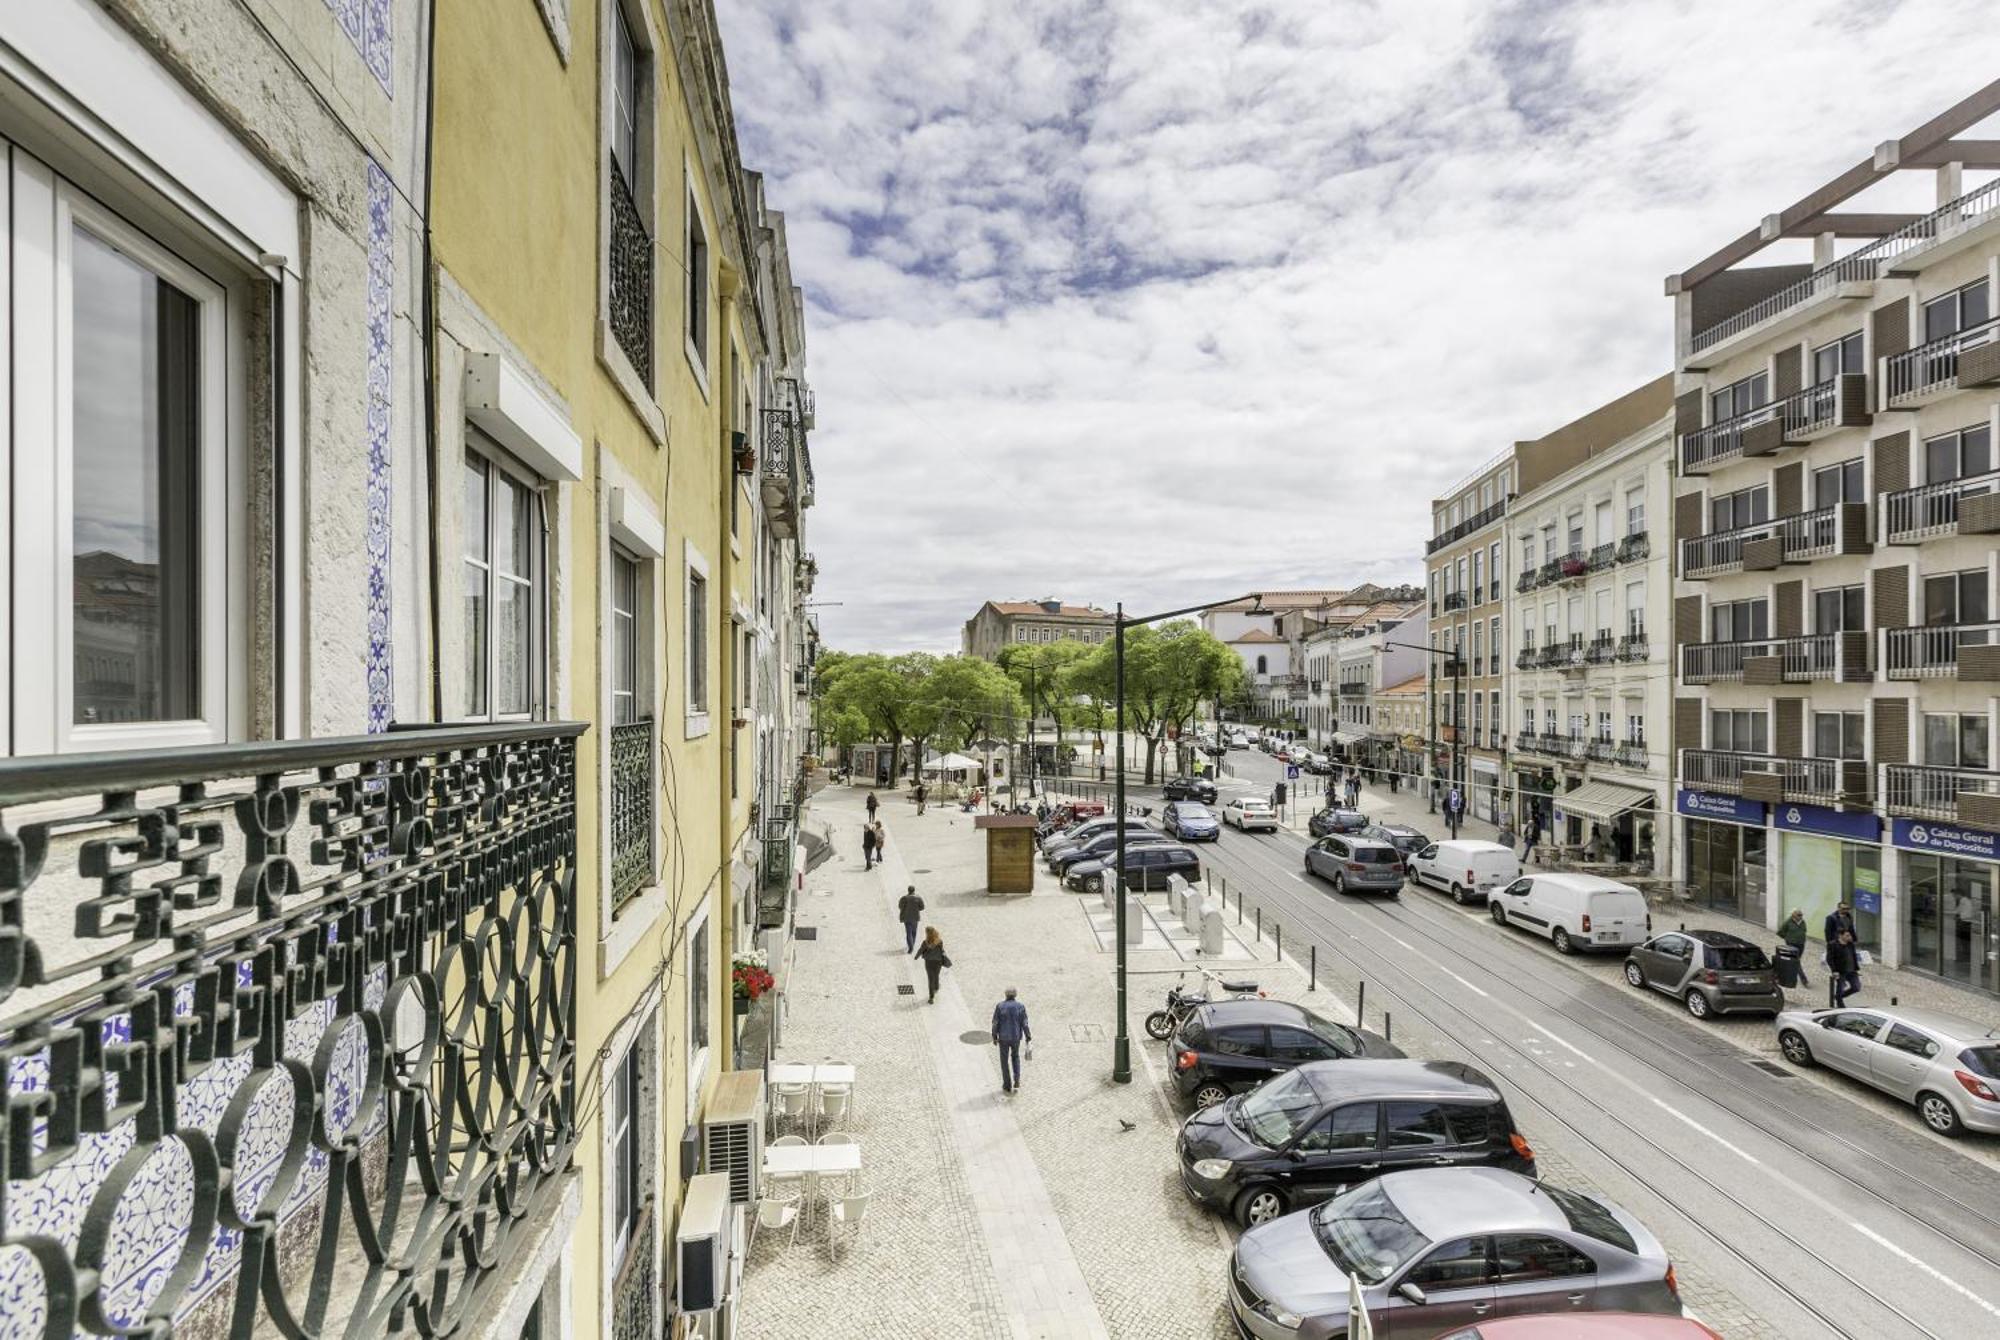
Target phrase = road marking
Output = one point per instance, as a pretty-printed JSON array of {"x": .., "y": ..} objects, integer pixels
[
  {"x": 1561, "y": 1041},
  {"x": 1923, "y": 1265},
  {"x": 1683, "y": 1117}
]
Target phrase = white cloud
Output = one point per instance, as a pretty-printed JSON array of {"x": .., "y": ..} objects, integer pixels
[{"x": 1160, "y": 301}]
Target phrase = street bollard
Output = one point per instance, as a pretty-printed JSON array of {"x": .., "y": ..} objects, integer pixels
[
  {"x": 1281, "y": 943},
  {"x": 1361, "y": 1005},
  {"x": 1260, "y": 925},
  {"x": 1388, "y": 1027},
  {"x": 1312, "y": 968}
]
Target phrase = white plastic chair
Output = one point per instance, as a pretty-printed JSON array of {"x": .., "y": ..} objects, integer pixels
[
  {"x": 844, "y": 1180},
  {"x": 844, "y": 1210},
  {"x": 835, "y": 1105},
  {"x": 794, "y": 1103},
  {"x": 779, "y": 1213}
]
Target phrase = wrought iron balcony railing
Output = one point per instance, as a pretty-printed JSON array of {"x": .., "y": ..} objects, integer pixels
[
  {"x": 1601, "y": 651},
  {"x": 1524, "y": 659},
  {"x": 287, "y": 1030},
  {"x": 783, "y": 455},
  {"x": 631, "y": 278},
  {"x": 1527, "y": 581},
  {"x": 1630, "y": 754},
  {"x": 1634, "y": 547},
  {"x": 1632, "y": 647},
  {"x": 1477, "y": 521},
  {"x": 633, "y": 822}
]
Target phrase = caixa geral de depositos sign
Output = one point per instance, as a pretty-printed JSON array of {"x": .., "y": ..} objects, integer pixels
[{"x": 1946, "y": 839}]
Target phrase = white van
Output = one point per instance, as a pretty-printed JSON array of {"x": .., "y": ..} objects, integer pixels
[
  {"x": 1575, "y": 911},
  {"x": 1469, "y": 870}
]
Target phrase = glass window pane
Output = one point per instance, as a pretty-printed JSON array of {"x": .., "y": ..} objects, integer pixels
[
  {"x": 475, "y": 589},
  {"x": 1972, "y": 604},
  {"x": 1941, "y": 458},
  {"x": 1940, "y": 740},
  {"x": 1975, "y": 451},
  {"x": 1940, "y": 317},
  {"x": 514, "y": 536},
  {"x": 1940, "y": 600},
  {"x": 136, "y": 425},
  {"x": 512, "y": 645},
  {"x": 1972, "y": 742},
  {"x": 1973, "y": 307},
  {"x": 474, "y": 526}
]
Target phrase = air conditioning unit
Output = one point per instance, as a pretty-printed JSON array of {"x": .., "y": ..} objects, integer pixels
[
  {"x": 706, "y": 1250},
  {"x": 732, "y": 1134}
]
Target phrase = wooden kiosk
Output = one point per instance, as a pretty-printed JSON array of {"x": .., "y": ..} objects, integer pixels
[{"x": 1010, "y": 852}]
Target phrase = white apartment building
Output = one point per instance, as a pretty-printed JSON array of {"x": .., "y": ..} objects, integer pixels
[
  {"x": 1386, "y": 646},
  {"x": 1588, "y": 684}
]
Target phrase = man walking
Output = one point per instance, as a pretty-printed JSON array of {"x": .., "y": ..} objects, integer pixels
[
  {"x": 1843, "y": 955},
  {"x": 910, "y": 909},
  {"x": 922, "y": 793},
  {"x": 1010, "y": 1030},
  {"x": 1534, "y": 832},
  {"x": 871, "y": 807},
  {"x": 868, "y": 846}
]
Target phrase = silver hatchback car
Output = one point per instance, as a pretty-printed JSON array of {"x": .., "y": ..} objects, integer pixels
[
  {"x": 1359, "y": 865},
  {"x": 1440, "y": 1248},
  {"x": 1947, "y": 1067}
]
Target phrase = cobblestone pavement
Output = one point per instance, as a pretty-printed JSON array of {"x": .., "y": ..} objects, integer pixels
[{"x": 926, "y": 1262}]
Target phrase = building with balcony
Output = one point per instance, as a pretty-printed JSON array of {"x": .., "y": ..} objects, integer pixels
[
  {"x": 1270, "y": 631},
  {"x": 396, "y": 759},
  {"x": 1400, "y": 722},
  {"x": 1388, "y": 645},
  {"x": 1003, "y": 623},
  {"x": 1835, "y": 650},
  {"x": 1587, "y": 686},
  {"x": 1464, "y": 599}
]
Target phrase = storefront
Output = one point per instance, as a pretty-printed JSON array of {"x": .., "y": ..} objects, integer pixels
[
  {"x": 1829, "y": 856},
  {"x": 1724, "y": 842},
  {"x": 1534, "y": 788},
  {"x": 1951, "y": 917},
  {"x": 1622, "y": 816},
  {"x": 1485, "y": 798}
]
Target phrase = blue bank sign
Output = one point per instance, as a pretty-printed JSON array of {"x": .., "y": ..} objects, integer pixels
[
  {"x": 1855, "y": 827},
  {"x": 1946, "y": 839},
  {"x": 1709, "y": 805}
]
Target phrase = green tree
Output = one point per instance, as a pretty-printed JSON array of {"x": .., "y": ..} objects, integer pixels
[
  {"x": 1170, "y": 671},
  {"x": 1045, "y": 673}
]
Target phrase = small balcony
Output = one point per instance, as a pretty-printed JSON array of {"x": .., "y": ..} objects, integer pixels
[
  {"x": 1454, "y": 600},
  {"x": 1825, "y": 532},
  {"x": 1632, "y": 647},
  {"x": 1527, "y": 581},
  {"x": 1968, "y": 506},
  {"x": 1713, "y": 662},
  {"x": 1353, "y": 688},
  {"x": 1551, "y": 656},
  {"x": 1572, "y": 567},
  {"x": 1966, "y": 652},
  {"x": 1808, "y": 415},
  {"x": 1837, "y": 657},
  {"x": 1943, "y": 367},
  {"x": 272, "y": 1009},
  {"x": 630, "y": 297},
  {"x": 1705, "y": 556},
  {"x": 1603, "y": 556},
  {"x": 633, "y": 825},
  {"x": 1632, "y": 754},
  {"x": 1720, "y": 443},
  {"x": 1968, "y": 796},
  {"x": 783, "y": 471},
  {"x": 1601, "y": 750},
  {"x": 1603, "y": 649},
  {"x": 1776, "y": 780},
  {"x": 1524, "y": 659},
  {"x": 1549, "y": 573},
  {"x": 1635, "y": 548}
]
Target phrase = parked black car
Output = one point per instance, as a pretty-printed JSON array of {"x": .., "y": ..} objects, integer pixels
[
  {"x": 1325, "y": 823},
  {"x": 1313, "y": 1133},
  {"x": 1402, "y": 837},
  {"x": 1147, "y": 866},
  {"x": 1191, "y": 788},
  {"x": 1100, "y": 846},
  {"x": 1227, "y": 1046}
]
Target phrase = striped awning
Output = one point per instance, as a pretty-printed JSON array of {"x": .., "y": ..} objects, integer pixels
[
  {"x": 1347, "y": 737},
  {"x": 1603, "y": 801}
]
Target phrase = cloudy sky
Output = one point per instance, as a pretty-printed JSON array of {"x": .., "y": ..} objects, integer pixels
[{"x": 1162, "y": 300}]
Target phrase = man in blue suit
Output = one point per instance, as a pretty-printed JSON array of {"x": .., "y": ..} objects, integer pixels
[{"x": 1010, "y": 1030}]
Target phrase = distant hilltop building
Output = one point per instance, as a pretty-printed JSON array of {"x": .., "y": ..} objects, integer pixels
[{"x": 1001, "y": 623}]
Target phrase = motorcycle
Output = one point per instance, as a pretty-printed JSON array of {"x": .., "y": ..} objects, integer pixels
[{"x": 1162, "y": 1024}]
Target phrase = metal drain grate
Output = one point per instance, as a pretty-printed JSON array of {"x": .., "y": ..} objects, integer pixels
[
  {"x": 1770, "y": 1069},
  {"x": 805, "y": 932},
  {"x": 906, "y": 990}
]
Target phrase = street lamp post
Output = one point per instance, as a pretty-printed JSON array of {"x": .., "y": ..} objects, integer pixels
[
  {"x": 1457, "y": 668},
  {"x": 1121, "y": 1046}
]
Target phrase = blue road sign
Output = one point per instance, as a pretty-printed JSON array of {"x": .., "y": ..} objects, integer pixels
[{"x": 1291, "y": 772}]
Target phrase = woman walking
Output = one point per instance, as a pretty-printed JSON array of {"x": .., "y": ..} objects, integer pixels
[{"x": 935, "y": 959}]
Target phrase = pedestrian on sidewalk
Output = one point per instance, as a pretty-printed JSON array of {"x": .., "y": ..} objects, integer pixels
[
  {"x": 1506, "y": 836},
  {"x": 868, "y": 846},
  {"x": 934, "y": 958},
  {"x": 1843, "y": 955},
  {"x": 871, "y": 807},
  {"x": 923, "y": 793},
  {"x": 1010, "y": 1030},
  {"x": 1593, "y": 850},
  {"x": 1793, "y": 933},
  {"x": 910, "y": 909},
  {"x": 1534, "y": 834}
]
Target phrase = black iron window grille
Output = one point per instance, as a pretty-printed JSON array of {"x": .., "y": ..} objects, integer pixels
[
  {"x": 287, "y": 1030},
  {"x": 632, "y": 816},
  {"x": 631, "y": 299}
]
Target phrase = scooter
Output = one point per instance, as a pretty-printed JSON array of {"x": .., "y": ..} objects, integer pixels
[{"x": 1162, "y": 1024}]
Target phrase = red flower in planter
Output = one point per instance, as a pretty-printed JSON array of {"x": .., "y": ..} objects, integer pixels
[{"x": 752, "y": 981}]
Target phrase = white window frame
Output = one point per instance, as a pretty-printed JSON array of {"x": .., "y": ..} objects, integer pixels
[
  {"x": 45, "y": 207},
  {"x": 694, "y": 564},
  {"x": 480, "y": 444},
  {"x": 632, "y": 383},
  {"x": 698, "y": 1057},
  {"x": 697, "y": 351}
]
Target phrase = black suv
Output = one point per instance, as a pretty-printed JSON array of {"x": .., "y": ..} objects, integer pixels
[
  {"x": 1230, "y": 1045},
  {"x": 1327, "y": 822},
  {"x": 1311, "y": 1134},
  {"x": 1148, "y": 865},
  {"x": 1191, "y": 788}
]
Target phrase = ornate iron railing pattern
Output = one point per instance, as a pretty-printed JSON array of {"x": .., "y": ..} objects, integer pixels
[
  {"x": 632, "y": 822},
  {"x": 631, "y": 296},
  {"x": 287, "y": 1030}
]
